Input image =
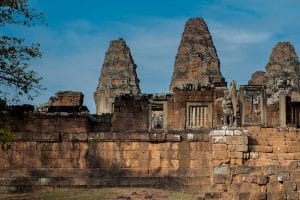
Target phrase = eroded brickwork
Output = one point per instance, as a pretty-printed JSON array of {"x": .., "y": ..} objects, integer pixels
[{"x": 257, "y": 163}]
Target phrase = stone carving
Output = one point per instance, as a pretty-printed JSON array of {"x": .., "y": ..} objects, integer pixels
[
  {"x": 227, "y": 109},
  {"x": 118, "y": 76},
  {"x": 234, "y": 101},
  {"x": 197, "y": 62},
  {"x": 230, "y": 105}
]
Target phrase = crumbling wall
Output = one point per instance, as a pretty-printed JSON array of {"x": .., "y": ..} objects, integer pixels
[
  {"x": 131, "y": 113},
  {"x": 103, "y": 159},
  {"x": 258, "y": 163},
  {"x": 56, "y": 123},
  {"x": 273, "y": 146},
  {"x": 66, "y": 98}
]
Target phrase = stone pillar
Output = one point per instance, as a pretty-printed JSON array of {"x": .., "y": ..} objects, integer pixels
[
  {"x": 104, "y": 104},
  {"x": 282, "y": 110},
  {"x": 149, "y": 117},
  {"x": 263, "y": 107},
  {"x": 242, "y": 106}
]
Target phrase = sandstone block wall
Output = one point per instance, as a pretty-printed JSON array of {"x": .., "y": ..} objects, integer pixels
[
  {"x": 66, "y": 98},
  {"x": 258, "y": 163},
  {"x": 273, "y": 146},
  {"x": 263, "y": 164},
  {"x": 55, "y": 123},
  {"x": 130, "y": 114},
  {"x": 103, "y": 159}
]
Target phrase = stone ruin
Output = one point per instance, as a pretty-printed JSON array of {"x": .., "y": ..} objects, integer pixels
[
  {"x": 197, "y": 62},
  {"x": 240, "y": 142},
  {"x": 199, "y": 96},
  {"x": 118, "y": 76},
  {"x": 66, "y": 101}
]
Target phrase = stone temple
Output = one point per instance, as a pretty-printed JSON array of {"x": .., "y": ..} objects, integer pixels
[
  {"x": 118, "y": 76},
  {"x": 216, "y": 141},
  {"x": 199, "y": 97},
  {"x": 197, "y": 62}
]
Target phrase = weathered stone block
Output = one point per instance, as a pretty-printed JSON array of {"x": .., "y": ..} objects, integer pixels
[
  {"x": 297, "y": 156},
  {"x": 236, "y": 140},
  {"x": 293, "y": 149},
  {"x": 236, "y": 161},
  {"x": 291, "y": 143},
  {"x": 292, "y": 195},
  {"x": 295, "y": 176},
  {"x": 44, "y": 181},
  {"x": 276, "y": 141},
  {"x": 219, "y": 154},
  {"x": 241, "y": 148},
  {"x": 262, "y": 180},
  {"x": 283, "y": 176},
  {"x": 294, "y": 165},
  {"x": 242, "y": 195},
  {"x": 275, "y": 191},
  {"x": 219, "y": 139},
  {"x": 258, "y": 196},
  {"x": 219, "y": 147},
  {"x": 264, "y": 149},
  {"x": 254, "y": 155},
  {"x": 235, "y": 155},
  {"x": 221, "y": 170},
  {"x": 207, "y": 146},
  {"x": 231, "y": 147},
  {"x": 289, "y": 186},
  {"x": 280, "y": 149},
  {"x": 275, "y": 195},
  {"x": 291, "y": 135},
  {"x": 219, "y": 179},
  {"x": 244, "y": 170}
]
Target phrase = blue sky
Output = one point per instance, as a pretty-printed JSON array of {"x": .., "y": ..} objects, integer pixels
[{"x": 78, "y": 34}]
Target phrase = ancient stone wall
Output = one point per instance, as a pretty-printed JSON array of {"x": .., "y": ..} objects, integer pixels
[
  {"x": 258, "y": 163},
  {"x": 178, "y": 108},
  {"x": 130, "y": 113},
  {"x": 66, "y": 98}
]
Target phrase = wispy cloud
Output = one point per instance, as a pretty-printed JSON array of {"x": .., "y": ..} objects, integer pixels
[
  {"x": 240, "y": 36},
  {"x": 244, "y": 33}
]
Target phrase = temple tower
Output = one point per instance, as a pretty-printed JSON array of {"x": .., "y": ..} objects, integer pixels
[
  {"x": 197, "y": 62},
  {"x": 118, "y": 76}
]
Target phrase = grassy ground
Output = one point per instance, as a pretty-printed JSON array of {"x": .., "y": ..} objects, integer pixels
[{"x": 105, "y": 193}]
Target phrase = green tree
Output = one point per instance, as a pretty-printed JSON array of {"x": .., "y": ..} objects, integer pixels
[
  {"x": 15, "y": 57},
  {"x": 16, "y": 54}
]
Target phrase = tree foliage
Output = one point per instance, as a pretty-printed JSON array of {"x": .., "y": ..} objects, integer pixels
[{"x": 16, "y": 54}]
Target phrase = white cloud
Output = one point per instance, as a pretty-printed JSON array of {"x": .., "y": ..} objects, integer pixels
[
  {"x": 239, "y": 36},
  {"x": 244, "y": 36}
]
